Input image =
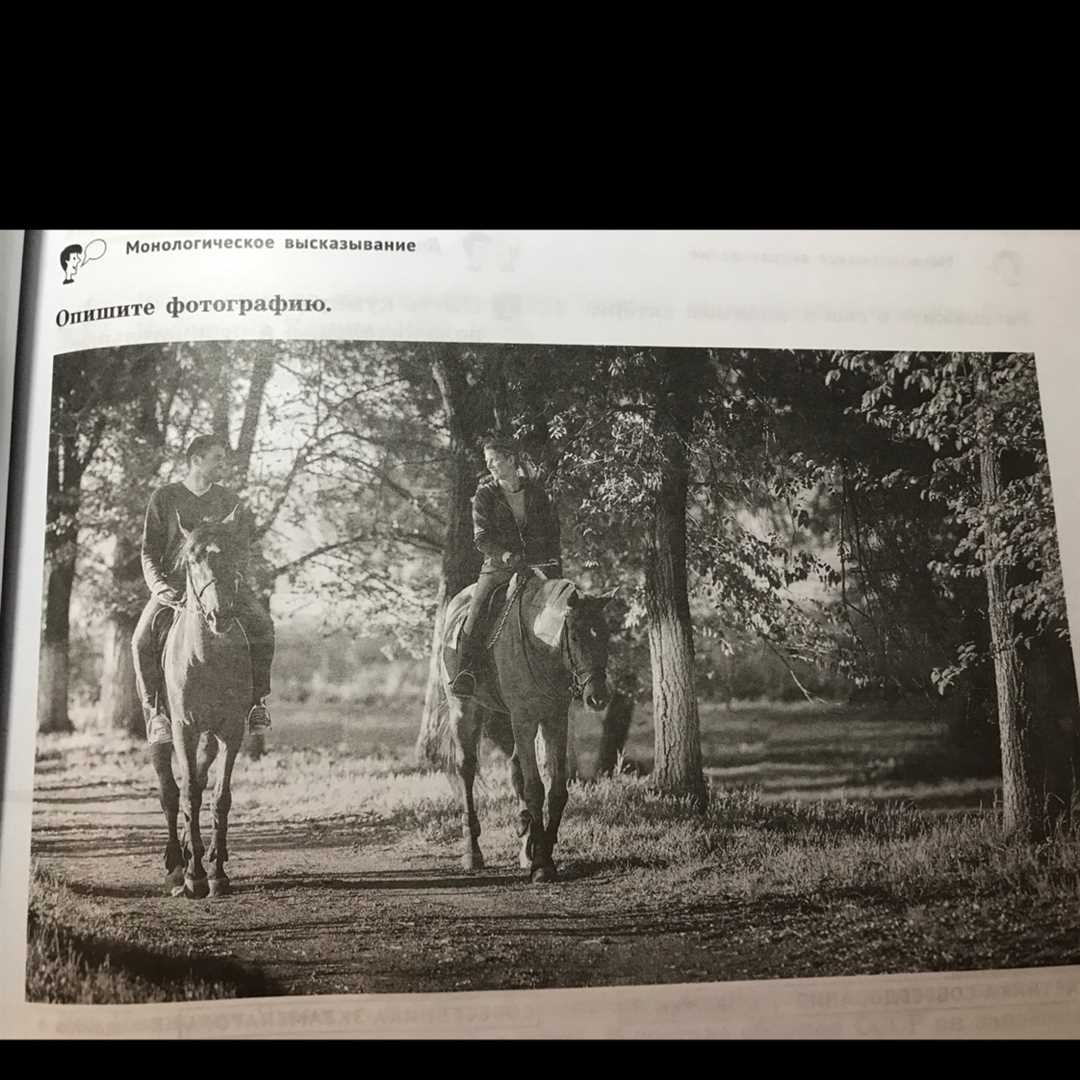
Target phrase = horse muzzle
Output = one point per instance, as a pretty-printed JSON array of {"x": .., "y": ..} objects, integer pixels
[
  {"x": 218, "y": 621},
  {"x": 597, "y": 692}
]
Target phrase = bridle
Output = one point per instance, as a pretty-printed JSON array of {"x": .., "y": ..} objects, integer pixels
[
  {"x": 579, "y": 677},
  {"x": 198, "y": 594}
]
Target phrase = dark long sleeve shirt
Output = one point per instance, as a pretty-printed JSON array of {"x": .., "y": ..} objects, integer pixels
[
  {"x": 496, "y": 532},
  {"x": 162, "y": 539}
]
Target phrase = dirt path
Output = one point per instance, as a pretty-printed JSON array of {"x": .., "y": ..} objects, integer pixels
[{"x": 343, "y": 906}]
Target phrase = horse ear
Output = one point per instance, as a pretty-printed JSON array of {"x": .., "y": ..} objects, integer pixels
[
  {"x": 609, "y": 598},
  {"x": 180, "y": 525},
  {"x": 230, "y": 518}
]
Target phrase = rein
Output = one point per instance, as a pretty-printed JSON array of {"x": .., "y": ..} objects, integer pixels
[{"x": 198, "y": 595}]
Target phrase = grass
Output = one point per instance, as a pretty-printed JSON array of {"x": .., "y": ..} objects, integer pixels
[
  {"x": 74, "y": 957},
  {"x": 807, "y": 807},
  {"x": 746, "y": 844}
]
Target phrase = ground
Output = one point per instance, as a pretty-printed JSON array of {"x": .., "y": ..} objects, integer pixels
[{"x": 345, "y": 865}]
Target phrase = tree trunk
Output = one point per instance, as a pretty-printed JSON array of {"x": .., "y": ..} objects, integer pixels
[
  {"x": 429, "y": 741},
  {"x": 465, "y": 412},
  {"x": 53, "y": 680},
  {"x": 119, "y": 708},
  {"x": 1050, "y": 678},
  {"x": 677, "y": 738},
  {"x": 61, "y": 535},
  {"x": 1020, "y": 750},
  {"x": 262, "y": 370}
]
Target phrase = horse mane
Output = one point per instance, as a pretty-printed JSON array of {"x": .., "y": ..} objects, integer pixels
[{"x": 547, "y": 608}]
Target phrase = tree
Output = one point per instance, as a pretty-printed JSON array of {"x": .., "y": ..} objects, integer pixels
[
  {"x": 680, "y": 382},
  {"x": 622, "y": 424},
  {"x": 84, "y": 385},
  {"x": 136, "y": 453},
  {"x": 980, "y": 415},
  {"x": 468, "y": 414}
]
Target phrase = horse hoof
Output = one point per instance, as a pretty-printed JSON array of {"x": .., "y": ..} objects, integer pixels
[
  {"x": 196, "y": 888},
  {"x": 174, "y": 880},
  {"x": 220, "y": 886},
  {"x": 472, "y": 860},
  {"x": 524, "y": 860},
  {"x": 542, "y": 874}
]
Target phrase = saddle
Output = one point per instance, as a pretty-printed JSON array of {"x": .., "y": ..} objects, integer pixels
[{"x": 499, "y": 609}]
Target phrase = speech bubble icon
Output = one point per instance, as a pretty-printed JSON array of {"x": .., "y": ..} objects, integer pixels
[{"x": 94, "y": 250}]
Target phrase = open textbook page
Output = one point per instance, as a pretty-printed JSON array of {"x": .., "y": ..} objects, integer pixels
[{"x": 543, "y": 633}]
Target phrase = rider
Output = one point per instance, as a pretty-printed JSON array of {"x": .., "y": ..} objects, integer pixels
[
  {"x": 197, "y": 499},
  {"x": 515, "y": 525}
]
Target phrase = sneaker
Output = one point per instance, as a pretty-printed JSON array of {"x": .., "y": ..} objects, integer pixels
[
  {"x": 464, "y": 686},
  {"x": 158, "y": 728},
  {"x": 258, "y": 718}
]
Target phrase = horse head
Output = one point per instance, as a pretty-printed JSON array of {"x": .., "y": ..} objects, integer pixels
[
  {"x": 209, "y": 557},
  {"x": 587, "y": 635}
]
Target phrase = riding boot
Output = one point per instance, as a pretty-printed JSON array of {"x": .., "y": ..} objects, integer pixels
[{"x": 464, "y": 684}]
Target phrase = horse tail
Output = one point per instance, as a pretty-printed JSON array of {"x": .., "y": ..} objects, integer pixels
[
  {"x": 445, "y": 747},
  {"x": 445, "y": 753}
]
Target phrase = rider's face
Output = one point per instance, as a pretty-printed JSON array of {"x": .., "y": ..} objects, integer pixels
[
  {"x": 211, "y": 463},
  {"x": 501, "y": 465}
]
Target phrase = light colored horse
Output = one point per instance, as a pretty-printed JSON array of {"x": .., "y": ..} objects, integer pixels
[
  {"x": 207, "y": 668},
  {"x": 549, "y": 644}
]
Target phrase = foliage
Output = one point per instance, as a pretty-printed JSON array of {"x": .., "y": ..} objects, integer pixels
[{"x": 959, "y": 404}]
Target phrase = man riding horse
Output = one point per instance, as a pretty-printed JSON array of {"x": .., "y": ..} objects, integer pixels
[
  {"x": 515, "y": 525},
  {"x": 173, "y": 510}
]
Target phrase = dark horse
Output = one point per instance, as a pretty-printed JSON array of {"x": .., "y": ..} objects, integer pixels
[
  {"x": 549, "y": 643},
  {"x": 207, "y": 667}
]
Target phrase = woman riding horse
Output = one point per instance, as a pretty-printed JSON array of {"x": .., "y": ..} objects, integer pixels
[{"x": 515, "y": 525}]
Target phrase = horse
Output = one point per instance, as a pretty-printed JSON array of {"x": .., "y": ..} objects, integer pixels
[
  {"x": 550, "y": 643},
  {"x": 207, "y": 668}
]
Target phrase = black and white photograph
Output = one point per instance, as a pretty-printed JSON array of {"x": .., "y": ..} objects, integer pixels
[{"x": 405, "y": 667}]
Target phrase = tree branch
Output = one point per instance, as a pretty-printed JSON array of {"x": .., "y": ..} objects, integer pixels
[{"x": 429, "y": 543}]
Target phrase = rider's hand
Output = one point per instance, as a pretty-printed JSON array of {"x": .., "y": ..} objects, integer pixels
[{"x": 169, "y": 596}]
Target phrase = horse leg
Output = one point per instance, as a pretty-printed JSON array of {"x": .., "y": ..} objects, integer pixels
[
  {"x": 555, "y": 744},
  {"x": 499, "y": 730},
  {"x": 219, "y": 849},
  {"x": 466, "y": 727},
  {"x": 169, "y": 796},
  {"x": 517, "y": 782},
  {"x": 190, "y": 805},
  {"x": 535, "y": 841},
  {"x": 205, "y": 753}
]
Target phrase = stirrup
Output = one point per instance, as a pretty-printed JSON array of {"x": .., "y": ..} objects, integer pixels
[
  {"x": 258, "y": 718},
  {"x": 464, "y": 684}
]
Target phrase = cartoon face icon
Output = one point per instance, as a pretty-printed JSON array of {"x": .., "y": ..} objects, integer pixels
[
  {"x": 75, "y": 256},
  {"x": 71, "y": 258}
]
